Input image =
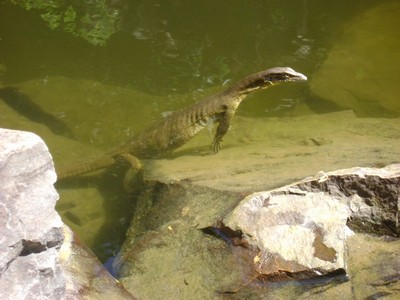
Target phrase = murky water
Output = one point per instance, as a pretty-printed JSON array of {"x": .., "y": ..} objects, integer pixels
[
  {"x": 108, "y": 76},
  {"x": 169, "y": 47}
]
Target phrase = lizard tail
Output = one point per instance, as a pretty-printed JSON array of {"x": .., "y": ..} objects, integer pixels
[{"x": 83, "y": 167}]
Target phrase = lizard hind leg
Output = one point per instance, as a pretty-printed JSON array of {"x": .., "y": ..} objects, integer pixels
[{"x": 135, "y": 173}]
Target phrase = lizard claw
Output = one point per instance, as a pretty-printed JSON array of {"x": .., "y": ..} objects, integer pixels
[{"x": 216, "y": 145}]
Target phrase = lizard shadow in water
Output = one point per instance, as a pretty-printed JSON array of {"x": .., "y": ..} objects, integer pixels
[{"x": 24, "y": 105}]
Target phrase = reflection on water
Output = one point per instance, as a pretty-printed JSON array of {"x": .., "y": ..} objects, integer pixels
[
  {"x": 178, "y": 45},
  {"x": 168, "y": 54},
  {"x": 169, "y": 47}
]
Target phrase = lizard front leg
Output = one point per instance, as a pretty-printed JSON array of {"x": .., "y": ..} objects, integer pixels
[{"x": 224, "y": 123}]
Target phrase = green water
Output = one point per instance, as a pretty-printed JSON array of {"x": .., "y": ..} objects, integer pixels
[
  {"x": 170, "y": 53},
  {"x": 171, "y": 47}
]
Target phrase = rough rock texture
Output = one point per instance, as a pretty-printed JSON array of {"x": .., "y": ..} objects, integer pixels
[
  {"x": 353, "y": 78},
  {"x": 373, "y": 196},
  {"x": 167, "y": 255},
  {"x": 294, "y": 231},
  {"x": 31, "y": 230},
  {"x": 302, "y": 228},
  {"x": 373, "y": 270},
  {"x": 172, "y": 241},
  {"x": 36, "y": 262},
  {"x": 86, "y": 278}
]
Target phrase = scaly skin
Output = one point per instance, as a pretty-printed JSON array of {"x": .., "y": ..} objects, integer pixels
[{"x": 177, "y": 129}]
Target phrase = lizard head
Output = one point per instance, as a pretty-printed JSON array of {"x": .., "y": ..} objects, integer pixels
[
  {"x": 282, "y": 74},
  {"x": 267, "y": 78}
]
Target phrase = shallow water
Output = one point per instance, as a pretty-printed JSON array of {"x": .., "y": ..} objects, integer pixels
[{"x": 164, "y": 55}]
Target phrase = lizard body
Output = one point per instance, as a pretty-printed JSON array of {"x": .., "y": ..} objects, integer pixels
[{"x": 175, "y": 130}]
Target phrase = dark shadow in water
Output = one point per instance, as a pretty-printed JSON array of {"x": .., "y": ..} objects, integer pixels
[
  {"x": 118, "y": 205},
  {"x": 302, "y": 287},
  {"x": 322, "y": 106},
  {"x": 22, "y": 104},
  {"x": 367, "y": 107}
]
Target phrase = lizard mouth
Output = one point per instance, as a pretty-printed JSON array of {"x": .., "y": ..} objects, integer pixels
[
  {"x": 298, "y": 77},
  {"x": 285, "y": 74}
]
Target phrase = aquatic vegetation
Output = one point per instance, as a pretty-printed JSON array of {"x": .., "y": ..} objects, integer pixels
[{"x": 95, "y": 21}]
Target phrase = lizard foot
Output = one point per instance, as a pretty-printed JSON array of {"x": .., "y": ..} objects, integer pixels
[
  {"x": 217, "y": 144},
  {"x": 134, "y": 174}
]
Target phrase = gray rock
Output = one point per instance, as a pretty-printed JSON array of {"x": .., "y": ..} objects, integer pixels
[
  {"x": 36, "y": 262},
  {"x": 293, "y": 230},
  {"x": 31, "y": 230},
  {"x": 372, "y": 195},
  {"x": 86, "y": 277},
  {"x": 302, "y": 228},
  {"x": 171, "y": 241}
]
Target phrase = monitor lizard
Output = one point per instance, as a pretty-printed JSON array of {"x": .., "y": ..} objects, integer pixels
[{"x": 175, "y": 130}]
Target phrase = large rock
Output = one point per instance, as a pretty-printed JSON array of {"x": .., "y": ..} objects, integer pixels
[
  {"x": 293, "y": 231},
  {"x": 36, "y": 261},
  {"x": 31, "y": 230},
  {"x": 299, "y": 231},
  {"x": 302, "y": 228}
]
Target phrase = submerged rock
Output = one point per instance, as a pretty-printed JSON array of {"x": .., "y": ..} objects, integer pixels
[
  {"x": 166, "y": 255},
  {"x": 353, "y": 78},
  {"x": 262, "y": 154}
]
